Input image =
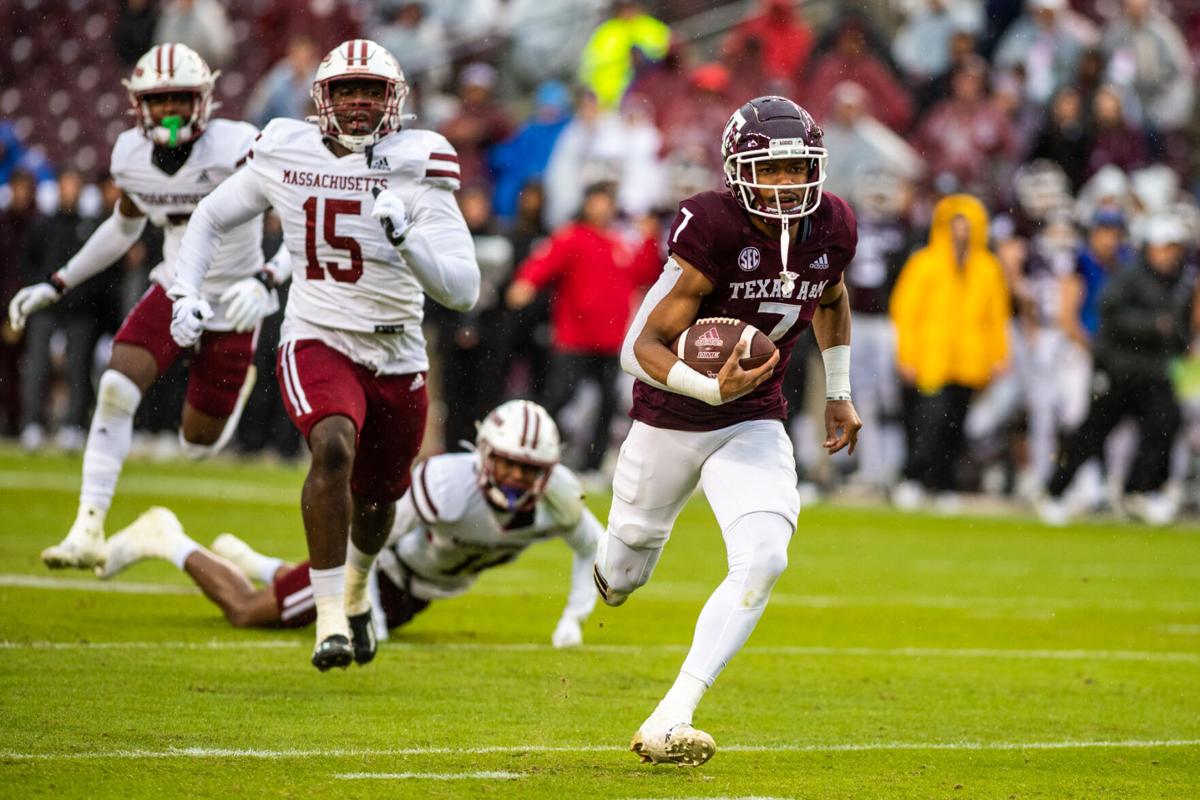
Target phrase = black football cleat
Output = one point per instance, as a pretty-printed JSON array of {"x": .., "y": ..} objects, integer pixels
[
  {"x": 362, "y": 629},
  {"x": 333, "y": 651}
]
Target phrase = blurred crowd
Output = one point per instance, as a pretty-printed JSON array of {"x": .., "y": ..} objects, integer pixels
[{"x": 1025, "y": 175}]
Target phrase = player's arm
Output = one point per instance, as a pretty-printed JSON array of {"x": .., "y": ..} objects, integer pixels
[
  {"x": 435, "y": 243},
  {"x": 107, "y": 243},
  {"x": 583, "y": 541},
  {"x": 831, "y": 326},
  {"x": 239, "y": 199},
  {"x": 668, "y": 309}
]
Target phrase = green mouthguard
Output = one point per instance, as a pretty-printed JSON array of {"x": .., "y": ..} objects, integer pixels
[{"x": 173, "y": 124}]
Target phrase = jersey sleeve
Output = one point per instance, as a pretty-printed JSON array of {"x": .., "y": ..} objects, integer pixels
[
  {"x": 441, "y": 165},
  {"x": 845, "y": 233},
  {"x": 564, "y": 498},
  {"x": 438, "y": 493},
  {"x": 118, "y": 165},
  {"x": 690, "y": 238}
]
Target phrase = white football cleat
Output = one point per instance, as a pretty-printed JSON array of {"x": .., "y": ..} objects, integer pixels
[
  {"x": 1153, "y": 508},
  {"x": 155, "y": 534},
  {"x": 908, "y": 496},
  {"x": 83, "y": 547},
  {"x": 1053, "y": 511},
  {"x": 242, "y": 555},
  {"x": 681, "y": 745}
]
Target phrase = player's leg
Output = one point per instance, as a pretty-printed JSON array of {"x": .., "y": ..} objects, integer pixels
[
  {"x": 157, "y": 533},
  {"x": 397, "y": 406},
  {"x": 142, "y": 350},
  {"x": 656, "y": 472},
  {"x": 1159, "y": 420},
  {"x": 326, "y": 402},
  {"x": 751, "y": 485},
  {"x": 219, "y": 385}
]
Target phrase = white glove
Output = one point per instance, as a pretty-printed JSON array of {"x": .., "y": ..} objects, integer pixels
[
  {"x": 29, "y": 301},
  {"x": 389, "y": 210},
  {"x": 567, "y": 633},
  {"x": 248, "y": 301},
  {"x": 187, "y": 318}
]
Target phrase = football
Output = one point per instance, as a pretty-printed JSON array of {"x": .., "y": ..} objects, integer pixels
[{"x": 708, "y": 343}]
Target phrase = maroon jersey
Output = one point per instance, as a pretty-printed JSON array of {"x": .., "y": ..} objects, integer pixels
[{"x": 714, "y": 235}]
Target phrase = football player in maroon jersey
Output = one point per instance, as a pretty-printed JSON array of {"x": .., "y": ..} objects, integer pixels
[{"x": 770, "y": 251}]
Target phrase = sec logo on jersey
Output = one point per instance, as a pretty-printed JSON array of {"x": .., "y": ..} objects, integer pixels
[{"x": 749, "y": 259}]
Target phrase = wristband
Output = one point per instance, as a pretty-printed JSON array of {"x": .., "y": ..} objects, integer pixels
[
  {"x": 266, "y": 279},
  {"x": 837, "y": 372},
  {"x": 684, "y": 380},
  {"x": 56, "y": 280}
]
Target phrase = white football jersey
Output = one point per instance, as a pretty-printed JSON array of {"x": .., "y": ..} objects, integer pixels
[
  {"x": 350, "y": 287},
  {"x": 169, "y": 200},
  {"x": 456, "y": 534}
]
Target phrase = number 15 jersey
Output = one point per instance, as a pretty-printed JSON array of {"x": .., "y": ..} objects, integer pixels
[{"x": 349, "y": 279}]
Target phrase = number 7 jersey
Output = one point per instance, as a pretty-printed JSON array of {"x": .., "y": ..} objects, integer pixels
[
  {"x": 348, "y": 277},
  {"x": 714, "y": 235}
]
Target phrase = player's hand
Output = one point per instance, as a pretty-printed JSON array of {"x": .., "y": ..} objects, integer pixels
[
  {"x": 248, "y": 301},
  {"x": 735, "y": 381},
  {"x": 567, "y": 633},
  {"x": 29, "y": 301},
  {"x": 841, "y": 426},
  {"x": 188, "y": 315},
  {"x": 389, "y": 210}
]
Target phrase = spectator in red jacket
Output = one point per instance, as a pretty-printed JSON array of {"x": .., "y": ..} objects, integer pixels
[
  {"x": 782, "y": 42},
  {"x": 593, "y": 271}
]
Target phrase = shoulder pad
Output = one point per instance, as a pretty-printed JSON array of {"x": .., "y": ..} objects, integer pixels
[
  {"x": 440, "y": 167},
  {"x": 279, "y": 133},
  {"x": 123, "y": 150},
  {"x": 440, "y": 485},
  {"x": 564, "y": 497}
]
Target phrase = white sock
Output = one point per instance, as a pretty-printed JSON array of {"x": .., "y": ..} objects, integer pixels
[
  {"x": 181, "y": 548},
  {"x": 329, "y": 587},
  {"x": 757, "y": 547},
  {"x": 681, "y": 700},
  {"x": 358, "y": 569},
  {"x": 108, "y": 439}
]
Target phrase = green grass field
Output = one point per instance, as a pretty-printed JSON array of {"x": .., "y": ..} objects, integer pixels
[{"x": 901, "y": 657}]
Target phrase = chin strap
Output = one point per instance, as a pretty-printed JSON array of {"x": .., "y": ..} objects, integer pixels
[{"x": 787, "y": 279}]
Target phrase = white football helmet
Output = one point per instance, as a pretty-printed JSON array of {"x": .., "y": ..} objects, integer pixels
[
  {"x": 172, "y": 67},
  {"x": 520, "y": 431},
  {"x": 359, "y": 58}
]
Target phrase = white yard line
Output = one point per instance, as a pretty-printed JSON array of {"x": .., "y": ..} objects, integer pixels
[
  {"x": 255, "y": 753},
  {"x": 92, "y": 585},
  {"x": 684, "y": 592},
  {"x": 428, "y": 776},
  {"x": 992, "y": 653},
  {"x": 228, "y": 491}
]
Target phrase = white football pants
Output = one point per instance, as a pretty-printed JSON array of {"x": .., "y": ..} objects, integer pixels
[{"x": 747, "y": 473}]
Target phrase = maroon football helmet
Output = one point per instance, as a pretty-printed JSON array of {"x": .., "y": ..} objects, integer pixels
[{"x": 769, "y": 129}]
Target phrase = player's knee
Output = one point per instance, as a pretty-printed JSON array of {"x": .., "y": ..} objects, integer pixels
[
  {"x": 621, "y": 569},
  {"x": 768, "y": 564},
  {"x": 118, "y": 393},
  {"x": 240, "y": 617},
  {"x": 332, "y": 453},
  {"x": 196, "y": 451}
]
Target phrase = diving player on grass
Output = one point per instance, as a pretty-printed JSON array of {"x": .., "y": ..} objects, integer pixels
[
  {"x": 771, "y": 252},
  {"x": 463, "y": 514},
  {"x": 164, "y": 167}
]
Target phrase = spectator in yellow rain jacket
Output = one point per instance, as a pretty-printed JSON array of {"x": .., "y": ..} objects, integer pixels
[
  {"x": 607, "y": 65},
  {"x": 951, "y": 309}
]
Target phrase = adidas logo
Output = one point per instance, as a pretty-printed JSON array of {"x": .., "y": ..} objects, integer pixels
[
  {"x": 380, "y": 162},
  {"x": 417, "y": 382},
  {"x": 204, "y": 177},
  {"x": 820, "y": 263},
  {"x": 710, "y": 338}
]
